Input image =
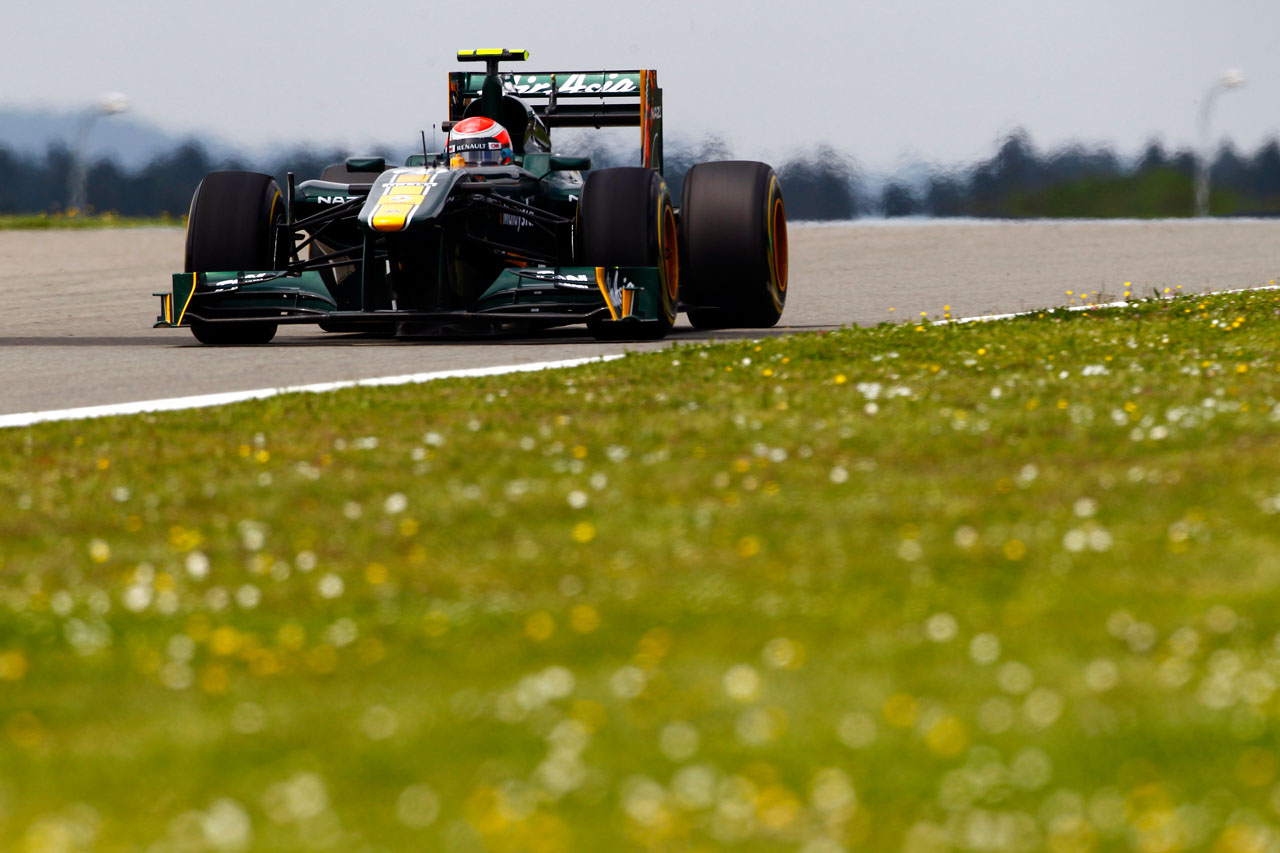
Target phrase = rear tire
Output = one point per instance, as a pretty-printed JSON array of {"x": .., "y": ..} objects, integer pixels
[
  {"x": 733, "y": 236},
  {"x": 232, "y": 227},
  {"x": 627, "y": 220}
]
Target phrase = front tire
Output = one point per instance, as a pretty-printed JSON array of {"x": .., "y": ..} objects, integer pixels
[
  {"x": 232, "y": 226},
  {"x": 733, "y": 233},
  {"x": 627, "y": 220}
]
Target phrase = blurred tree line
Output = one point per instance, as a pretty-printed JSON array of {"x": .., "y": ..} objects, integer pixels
[
  {"x": 1017, "y": 182},
  {"x": 1078, "y": 182},
  {"x": 34, "y": 184},
  {"x": 819, "y": 184}
]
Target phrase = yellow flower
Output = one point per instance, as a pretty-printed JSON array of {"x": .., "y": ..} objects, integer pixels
[
  {"x": 584, "y": 618},
  {"x": 224, "y": 640},
  {"x": 13, "y": 666},
  {"x": 948, "y": 737},
  {"x": 900, "y": 710},
  {"x": 539, "y": 626},
  {"x": 214, "y": 679}
]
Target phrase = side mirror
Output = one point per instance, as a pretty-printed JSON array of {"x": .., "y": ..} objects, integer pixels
[
  {"x": 366, "y": 164},
  {"x": 569, "y": 164}
]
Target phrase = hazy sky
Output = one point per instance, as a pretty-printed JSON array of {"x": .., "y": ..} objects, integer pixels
[{"x": 937, "y": 80}]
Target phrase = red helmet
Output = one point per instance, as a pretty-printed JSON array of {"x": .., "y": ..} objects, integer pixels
[{"x": 478, "y": 141}]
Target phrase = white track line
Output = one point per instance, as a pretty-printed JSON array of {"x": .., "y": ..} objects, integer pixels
[
  {"x": 206, "y": 400},
  {"x": 988, "y": 317}
]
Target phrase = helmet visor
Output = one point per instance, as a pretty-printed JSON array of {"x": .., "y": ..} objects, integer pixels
[{"x": 474, "y": 152}]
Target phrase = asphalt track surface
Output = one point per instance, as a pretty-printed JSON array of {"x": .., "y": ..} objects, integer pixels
[{"x": 76, "y": 307}]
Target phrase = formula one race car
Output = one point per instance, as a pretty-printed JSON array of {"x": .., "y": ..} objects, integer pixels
[{"x": 493, "y": 234}]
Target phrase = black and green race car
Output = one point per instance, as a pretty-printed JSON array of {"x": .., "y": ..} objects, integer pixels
[{"x": 425, "y": 249}]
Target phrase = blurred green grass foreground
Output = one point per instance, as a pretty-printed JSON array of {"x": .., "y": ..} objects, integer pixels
[{"x": 986, "y": 586}]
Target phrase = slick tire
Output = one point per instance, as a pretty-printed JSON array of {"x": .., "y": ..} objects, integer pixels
[
  {"x": 232, "y": 226},
  {"x": 626, "y": 219},
  {"x": 733, "y": 240}
]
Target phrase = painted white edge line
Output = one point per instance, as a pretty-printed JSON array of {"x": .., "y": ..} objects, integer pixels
[
  {"x": 988, "y": 317},
  {"x": 206, "y": 400}
]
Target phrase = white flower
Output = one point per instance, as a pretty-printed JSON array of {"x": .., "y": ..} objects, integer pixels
[
  {"x": 742, "y": 683},
  {"x": 330, "y": 586}
]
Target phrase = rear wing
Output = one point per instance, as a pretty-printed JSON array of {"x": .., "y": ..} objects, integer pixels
[{"x": 576, "y": 99}]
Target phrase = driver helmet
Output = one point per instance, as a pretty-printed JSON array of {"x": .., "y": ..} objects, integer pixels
[{"x": 478, "y": 141}]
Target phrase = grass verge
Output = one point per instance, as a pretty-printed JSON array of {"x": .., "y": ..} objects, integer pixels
[
  {"x": 58, "y": 221},
  {"x": 984, "y": 586}
]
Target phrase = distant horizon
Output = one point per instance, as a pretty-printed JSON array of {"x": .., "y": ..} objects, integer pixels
[
  {"x": 933, "y": 81},
  {"x": 110, "y": 138}
]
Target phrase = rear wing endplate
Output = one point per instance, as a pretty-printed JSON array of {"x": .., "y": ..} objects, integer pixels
[{"x": 578, "y": 99}]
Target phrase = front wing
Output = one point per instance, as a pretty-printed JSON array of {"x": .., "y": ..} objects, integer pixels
[{"x": 547, "y": 295}]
